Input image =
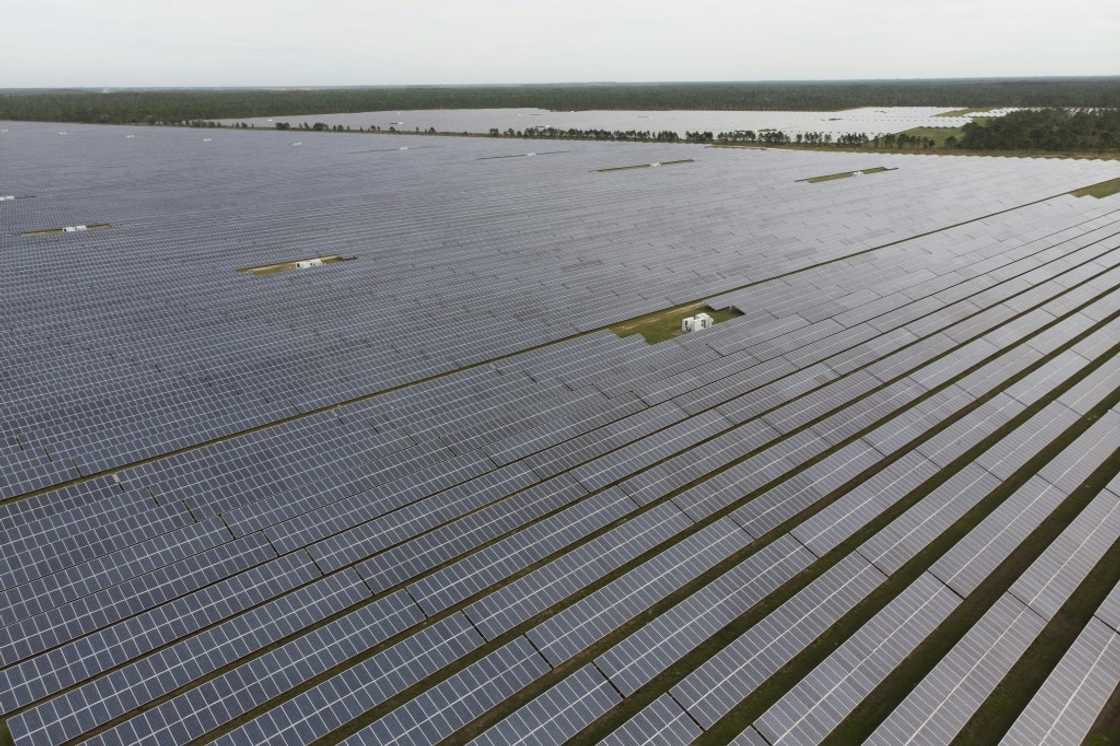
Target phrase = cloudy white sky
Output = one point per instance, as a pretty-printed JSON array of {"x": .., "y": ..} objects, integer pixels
[{"x": 354, "y": 42}]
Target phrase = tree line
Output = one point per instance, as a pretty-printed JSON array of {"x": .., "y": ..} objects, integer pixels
[
  {"x": 1064, "y": 130},
  {"x": 1046, "y": 129},
  {"x": 1055, "y": 130},
  {"x": 901, "y": 140},
  {"x": 574, "y": 133},
  {"x": 184, "y": 105}
]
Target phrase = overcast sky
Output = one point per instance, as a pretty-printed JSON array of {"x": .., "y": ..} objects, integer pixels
[{"x": 355, "y": 42}]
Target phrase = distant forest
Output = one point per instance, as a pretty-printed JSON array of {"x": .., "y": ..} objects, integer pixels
[
  {"x": 1029, "y": 130},
  {"x": 175, "y": 106},
  {"x": 1048, "y": 129}
]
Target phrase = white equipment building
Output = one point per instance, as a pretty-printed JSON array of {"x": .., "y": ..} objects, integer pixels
[{"x": 696, "y": 323}]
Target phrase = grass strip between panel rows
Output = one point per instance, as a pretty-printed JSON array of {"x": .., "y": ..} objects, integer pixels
[
  {"x": 432, "y": 570},
  {"x": 1012, "y": 695},
  {"x": 789, "y": 675},
  {"x": 867, "y": 716},
  {"x": 262, "y": 651},
  {"x": 489, "y": 361},
  {"x": 571, "y": 665},
  {"x": 370, "y": 600}
]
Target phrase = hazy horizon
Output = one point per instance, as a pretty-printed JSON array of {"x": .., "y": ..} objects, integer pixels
[
  {"x": 557, "y": 83},
  {"x": 253, "y": 44}
]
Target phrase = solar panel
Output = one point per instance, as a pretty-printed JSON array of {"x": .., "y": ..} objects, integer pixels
[
  {"x": 137, "y": 684},
  {"x": 943, "y": 702},
  {"x": 1051, "y": 578},
  {"x": 60, "y": 667},
  {"x": 378, "y": 498},
  {"x": 565, "y": 634},
  {"x": 452, "y": 703},
  {"x": 826, "y": 529},
  {"x": 660, "y": 723},
  {"x": 713, "y": 689},
  {"x": 539, "y": 590},
  {"x": 344, "y": 696},
  {"x": 558, "y": 714},
  {"x": 821, "y": 700},
  {"x": 1069, "y": 701},
  {"x": 483, "y": 569},
  {"x": 904, "y": 537},
  {"x": 647, "y": 652}
]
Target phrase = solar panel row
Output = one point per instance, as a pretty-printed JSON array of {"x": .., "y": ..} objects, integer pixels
[{"x": 264, "y": 514}]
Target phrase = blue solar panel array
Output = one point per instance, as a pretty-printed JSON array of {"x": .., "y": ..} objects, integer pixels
[{"x": 428, "y": 495}]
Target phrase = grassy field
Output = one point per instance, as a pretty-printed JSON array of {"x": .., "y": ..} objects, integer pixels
[
  {"x": 1014, "y": 692},
  {"x": 1099, "y": 191},
  {"x": 662, "y": 325},
  {"x": 828, "y": 177},
  {"x": 938, "y": 134},
  {"x": 1106, "y": 730},
  {"x": 846, "y": 174},
  {"x": 56, "y": 231},
  {"x": 274, "y": 269},
  {"x": 965, "y": 112},
  {"x": 643, "y": 165}
]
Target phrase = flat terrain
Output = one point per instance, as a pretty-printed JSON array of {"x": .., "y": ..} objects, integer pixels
[
  {"x": 147, "y": 105},
  {"x": 938, "y": 134},
  {"x": 449, "y": 490},
  {"x": 871, "y": 120},
  {"x": 966, "y": 112}
]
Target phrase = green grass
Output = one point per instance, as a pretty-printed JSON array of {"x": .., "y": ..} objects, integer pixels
[
  {"x": 1099, "y": 191},
  {"x": 1014, "y": 692},
  {"x": 268, "y": 270},
  {"x": 789, "y": 675},
  {"x": 660, "y": 326},
  {"x": 56, "y": 231},
  {"x": 643, "y": 165},
  {"x": 829, "y": 177},
  {"x": 938, "y": 134},
  {"x": 890, "y": 692},
  {"x": 880, "y": 703},
  {"x": 965, "y": 112},
  {"x": 847, "y": 174},
  {"x": 1106, "y": 730}
]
